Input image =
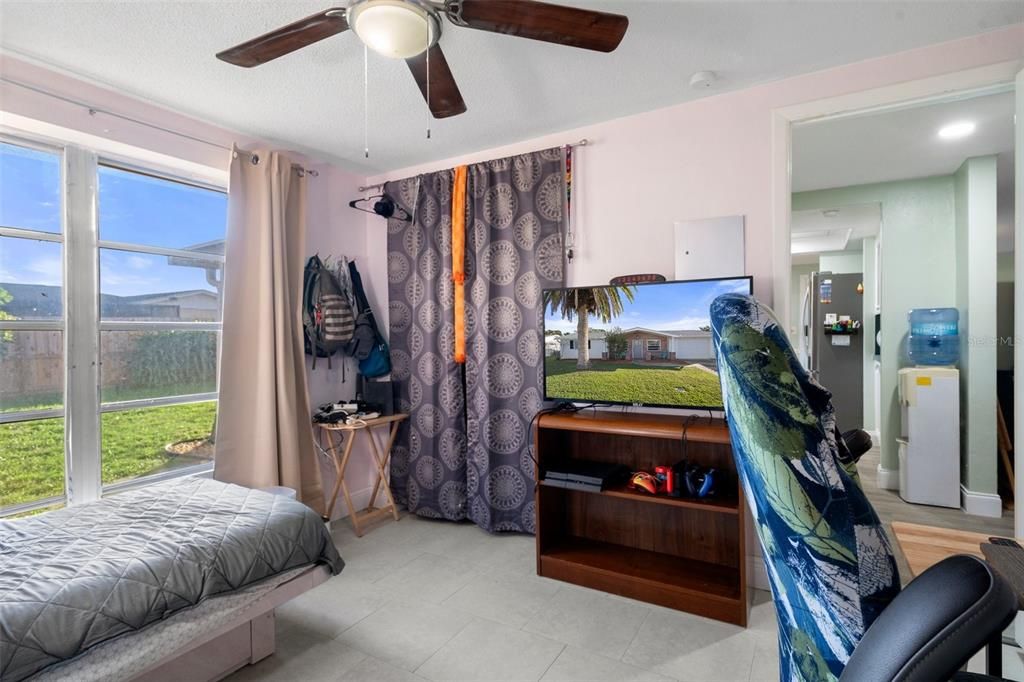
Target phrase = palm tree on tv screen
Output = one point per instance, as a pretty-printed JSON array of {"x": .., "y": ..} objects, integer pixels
[{"x": 603, "y": 303}]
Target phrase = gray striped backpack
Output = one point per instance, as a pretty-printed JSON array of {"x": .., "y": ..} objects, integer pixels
[{"x": 327, "y": 318}]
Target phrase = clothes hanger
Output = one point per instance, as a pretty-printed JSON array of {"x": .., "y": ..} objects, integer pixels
[{"x": 384, "y": 206}]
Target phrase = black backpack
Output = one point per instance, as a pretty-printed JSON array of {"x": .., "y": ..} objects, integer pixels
[{"x": 327, "y": 319}]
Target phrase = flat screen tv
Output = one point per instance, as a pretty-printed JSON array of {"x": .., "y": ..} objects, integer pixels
[{"x": 647, "y": 344}]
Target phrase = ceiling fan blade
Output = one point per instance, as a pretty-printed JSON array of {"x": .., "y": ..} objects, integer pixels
[
  {"x": 445, "y": 99},
  {"x": 590, "y": 30},
  {"x": 286, "y": 39}
]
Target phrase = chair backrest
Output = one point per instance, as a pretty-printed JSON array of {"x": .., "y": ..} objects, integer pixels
[{"x": 829, "y": 561}]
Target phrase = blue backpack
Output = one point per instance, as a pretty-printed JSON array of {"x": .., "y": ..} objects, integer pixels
[{"x": 367, "y": 345}]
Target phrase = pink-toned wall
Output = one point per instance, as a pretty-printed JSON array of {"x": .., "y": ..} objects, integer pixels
[
  {"x": 710, "y": 157},
  {"x": 332, "y": 227}
]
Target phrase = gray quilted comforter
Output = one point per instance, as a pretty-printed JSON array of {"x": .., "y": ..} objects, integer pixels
[{"x": 73, "y": 578}]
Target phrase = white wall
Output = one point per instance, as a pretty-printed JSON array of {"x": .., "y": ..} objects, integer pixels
[
  {"x": 796, "y": 294},
  {"x": 710, "y": 157},
  {"x": 841, "y": 262},
  {"x": 597, "y": 348},
  {"x": 975, "y": 188}
]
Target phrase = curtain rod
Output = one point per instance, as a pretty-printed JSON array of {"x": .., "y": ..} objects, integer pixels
[
  {"x": 380, "y": 185},
  {"x": 93, "y": 110},
  {"x": 255, "y": 158}
]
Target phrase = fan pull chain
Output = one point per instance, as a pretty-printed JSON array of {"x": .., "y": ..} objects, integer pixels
[
  {"x": 428, "y": 81},
  {"x": 366, "y": 102}
]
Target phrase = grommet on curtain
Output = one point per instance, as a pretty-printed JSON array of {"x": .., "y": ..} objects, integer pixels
[
  {"x": 254, "y": 159},
  {"x": 459, "y": 260}
]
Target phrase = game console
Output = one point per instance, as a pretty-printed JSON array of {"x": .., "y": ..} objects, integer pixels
[{"x": 582, "y": 474}]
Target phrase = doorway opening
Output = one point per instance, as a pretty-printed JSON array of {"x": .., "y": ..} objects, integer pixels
[{"x": 911, "y": 207}]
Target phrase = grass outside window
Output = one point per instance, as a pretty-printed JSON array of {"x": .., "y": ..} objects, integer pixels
[{"x": 133, "y": 444}]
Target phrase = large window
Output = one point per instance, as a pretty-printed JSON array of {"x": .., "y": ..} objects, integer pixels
[
  {"x": 32, "y": 460},
  {"x": 131, "y": 338}
]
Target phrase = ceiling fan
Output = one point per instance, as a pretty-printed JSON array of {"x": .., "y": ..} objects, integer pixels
[{"x": 410, "y": 30}]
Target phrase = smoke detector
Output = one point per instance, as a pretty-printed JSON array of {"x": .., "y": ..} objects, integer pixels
[{"x": 702, "y": 80}]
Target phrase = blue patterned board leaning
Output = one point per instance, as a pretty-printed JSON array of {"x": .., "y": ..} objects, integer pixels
[{"x": 829, "y": 561}]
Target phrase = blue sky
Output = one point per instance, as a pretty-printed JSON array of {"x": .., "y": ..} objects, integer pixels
[
  {"x": 133, "y": 208},
  {"x": 674, "y": 305}
]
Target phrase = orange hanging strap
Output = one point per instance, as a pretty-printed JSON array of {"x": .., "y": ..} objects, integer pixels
[{"x": 459, "y": 260}]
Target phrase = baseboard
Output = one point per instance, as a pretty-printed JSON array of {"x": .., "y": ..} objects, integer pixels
[
  {"x": 981, "y": 504},
  {"x": 757, "y": 573},
  {"x": 876, "y": 437},
  {"x": 888, "y": 479},
  {"x": 360, "y": 500}
]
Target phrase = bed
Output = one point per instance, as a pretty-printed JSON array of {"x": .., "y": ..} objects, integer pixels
[{"x": 175, "y": 581}]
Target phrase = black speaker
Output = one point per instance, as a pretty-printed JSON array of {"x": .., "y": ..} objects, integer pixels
[{"x": 380, "y": 393}]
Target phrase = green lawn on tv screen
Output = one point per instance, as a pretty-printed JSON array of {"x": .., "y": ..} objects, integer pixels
[{"x": 626, "y": 382}]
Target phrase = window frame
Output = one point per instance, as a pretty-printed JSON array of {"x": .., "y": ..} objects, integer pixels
[
  {"x": 656, "y": 347},
  {"x": 120, "y": 163},
  {"x": 81, "y": 325},
  {"x": 54, "y": 324}
]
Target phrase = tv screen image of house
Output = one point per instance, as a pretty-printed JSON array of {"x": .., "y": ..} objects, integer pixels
[{"x": 639, "y": 344}]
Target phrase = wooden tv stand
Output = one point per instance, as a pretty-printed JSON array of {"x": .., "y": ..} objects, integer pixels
[{"x": 679, "y": 552}]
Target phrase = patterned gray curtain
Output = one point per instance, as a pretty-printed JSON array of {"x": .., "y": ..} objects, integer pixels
[
  {"x": 514, "y": 245},
  {"x": 428, "y": 465},
  {"x": 513, "y": 251}
]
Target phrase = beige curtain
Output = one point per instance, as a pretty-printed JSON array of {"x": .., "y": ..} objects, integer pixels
[{"x": 263, "y": 427}]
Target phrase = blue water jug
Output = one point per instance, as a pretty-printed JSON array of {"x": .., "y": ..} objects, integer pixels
[{"x": 934, "y": 336}]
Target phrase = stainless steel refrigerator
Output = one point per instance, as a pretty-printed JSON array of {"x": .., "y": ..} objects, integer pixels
[{"x": 837, "y": 360}]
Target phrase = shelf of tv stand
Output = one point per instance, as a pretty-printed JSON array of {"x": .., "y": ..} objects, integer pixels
[
  {"x": 658, "y": 570},
  {"x": 721, "y": 506},
  {"x": 682, "y": 553}
]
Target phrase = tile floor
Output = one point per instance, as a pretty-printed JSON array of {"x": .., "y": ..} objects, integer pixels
[{"x": 430, "y": 600}]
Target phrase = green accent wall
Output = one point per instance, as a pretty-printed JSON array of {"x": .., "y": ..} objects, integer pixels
[{"x": 918, "y": 219}]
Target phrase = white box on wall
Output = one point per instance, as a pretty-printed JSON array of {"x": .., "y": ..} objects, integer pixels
[{"x": 710, "y": 247}]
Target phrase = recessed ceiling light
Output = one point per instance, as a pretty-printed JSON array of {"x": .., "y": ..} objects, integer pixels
[{"x": 954, "y": 131}]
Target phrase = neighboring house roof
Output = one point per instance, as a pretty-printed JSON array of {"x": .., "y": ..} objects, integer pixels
[
  {"x": 169, "y": 296},
  {"x": 692, "y": 333},
  {"x": 44, "y": 300}
]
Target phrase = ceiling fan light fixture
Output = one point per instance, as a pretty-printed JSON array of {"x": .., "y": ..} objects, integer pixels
[{"x": 398, "y": 29}]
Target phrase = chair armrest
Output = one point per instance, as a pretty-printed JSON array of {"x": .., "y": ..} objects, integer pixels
[
  {"x": 935, "y": 624},
  {"x": 857, "y": 441}
]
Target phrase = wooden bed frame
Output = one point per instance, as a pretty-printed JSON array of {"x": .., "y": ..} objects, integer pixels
[{"x": 247, "y": 639}]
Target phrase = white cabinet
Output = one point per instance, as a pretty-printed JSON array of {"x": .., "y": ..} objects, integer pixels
[{"x": 929, "y": 443}]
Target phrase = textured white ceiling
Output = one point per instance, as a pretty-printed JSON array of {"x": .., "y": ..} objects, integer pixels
[
  {"x": 903, "y": 143},
  {"x": 898, "y": 144},
  {"x": 515, "y": 89}
]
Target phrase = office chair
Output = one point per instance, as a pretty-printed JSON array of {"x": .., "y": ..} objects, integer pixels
[{"x": 836, "y": 588}]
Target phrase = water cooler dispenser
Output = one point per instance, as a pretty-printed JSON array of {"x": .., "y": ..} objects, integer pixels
[{"x": 929, "y": 443}]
